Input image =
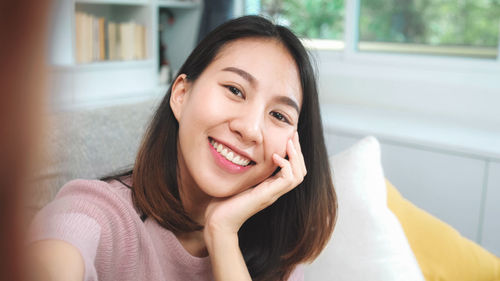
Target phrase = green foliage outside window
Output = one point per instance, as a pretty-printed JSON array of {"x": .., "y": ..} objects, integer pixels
[
  {"x": 308, "y": 18},
  {"x": 431, "y": 22},
  {"x": 434, "y": 22}
]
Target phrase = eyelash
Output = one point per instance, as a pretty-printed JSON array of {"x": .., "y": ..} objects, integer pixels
[
  {"x": 237, "y": 92},
  {"x": 280, "y": 117}
]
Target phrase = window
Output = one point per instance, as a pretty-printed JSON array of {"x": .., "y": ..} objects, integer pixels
[
  {"x": 444, "y": 27},
  {"x": 468, "y": 28},
  {"x": 320, "y": 21}
]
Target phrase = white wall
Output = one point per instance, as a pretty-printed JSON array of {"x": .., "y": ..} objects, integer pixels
[{"x": 460, "y": 89}]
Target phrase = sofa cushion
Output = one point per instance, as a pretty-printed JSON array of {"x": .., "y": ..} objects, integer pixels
[
  {"x": 87, "y": 143},
  {"x": 368, "y": 242},
  {"x": 442, "y": 253}
]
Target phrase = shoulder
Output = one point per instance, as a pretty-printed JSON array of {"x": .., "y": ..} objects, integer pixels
[
  {"x": 297, "y": 274},
  {"x": 96, "y": 217},
  {"x": 111, "y": 199},
  {"x": 94, "y": 189},
  {"x": 88, "y": 203},
  {"x": 111, "y": 196}
]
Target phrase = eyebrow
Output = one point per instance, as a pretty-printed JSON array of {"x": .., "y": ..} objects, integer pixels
[
  {"x": 247, "y": 76},
  {"x": 288, "y": 101}
]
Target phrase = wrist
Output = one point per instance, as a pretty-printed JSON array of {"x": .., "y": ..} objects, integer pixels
[{"x": 217, "y": 237}]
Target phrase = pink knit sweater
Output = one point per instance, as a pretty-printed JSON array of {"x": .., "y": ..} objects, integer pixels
[{"x": 99, "y": 219}]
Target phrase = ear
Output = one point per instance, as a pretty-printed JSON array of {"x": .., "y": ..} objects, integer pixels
[{"x": 179, "y": 95}]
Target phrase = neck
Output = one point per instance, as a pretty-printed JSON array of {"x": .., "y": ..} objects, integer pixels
[
  {"x": 193, "y": 243},
  {"x": 194, "y": 202}
]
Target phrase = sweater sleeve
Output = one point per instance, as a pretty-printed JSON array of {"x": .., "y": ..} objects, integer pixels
[{"x": 81, "y": 214}]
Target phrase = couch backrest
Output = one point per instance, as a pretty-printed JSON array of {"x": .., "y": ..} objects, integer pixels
[{"x": 88, "y": 143}]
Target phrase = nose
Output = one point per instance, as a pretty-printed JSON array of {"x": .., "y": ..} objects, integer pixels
[{"x": 247, "y": 125}]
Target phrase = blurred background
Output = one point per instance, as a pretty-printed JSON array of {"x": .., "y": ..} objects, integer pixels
[{"x": 423, "y": 76}]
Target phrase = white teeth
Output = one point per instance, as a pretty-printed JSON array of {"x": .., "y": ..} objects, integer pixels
[
  {"x": 237, "y": 160},
  {"x": 229, "y": 154}
]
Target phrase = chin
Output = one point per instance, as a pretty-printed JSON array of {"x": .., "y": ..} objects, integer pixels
[
  {"x": 218, "y": 192},
  {"x": 219, "y": 185}
]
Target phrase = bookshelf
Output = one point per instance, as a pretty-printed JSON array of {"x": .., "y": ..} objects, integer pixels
[
  {"x": 119, "y": 2},
  {"x": 107, "y": 79},
  {"x": 177, "y": 4}
]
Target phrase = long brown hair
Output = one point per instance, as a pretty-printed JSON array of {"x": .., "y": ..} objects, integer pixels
[{"x": 298, "y": 225}]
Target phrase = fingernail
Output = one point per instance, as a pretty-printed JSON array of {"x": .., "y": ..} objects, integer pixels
[{"x": 277, "y": 157}]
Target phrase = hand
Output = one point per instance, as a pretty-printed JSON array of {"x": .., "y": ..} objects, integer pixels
[{"x": 226, "y": 215}]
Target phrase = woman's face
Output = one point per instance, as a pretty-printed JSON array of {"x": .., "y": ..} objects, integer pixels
[{"x": 243, "y": 108}]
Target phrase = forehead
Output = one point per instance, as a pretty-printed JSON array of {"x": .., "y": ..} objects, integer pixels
[{"x": 265, "y": 59}]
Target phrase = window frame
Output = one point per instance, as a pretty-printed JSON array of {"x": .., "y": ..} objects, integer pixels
[
  {"x": 351, "y": 33},
  {"x": 467, "y": 88}
]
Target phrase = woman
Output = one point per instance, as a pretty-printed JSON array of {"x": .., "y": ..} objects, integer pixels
[{"x": 219, "y": 181}]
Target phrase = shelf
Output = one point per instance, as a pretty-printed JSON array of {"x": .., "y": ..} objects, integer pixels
[
  {"x": 178, "y": 3},
  {"x": 131, "y": 98},
  {"x": 114, "y": 2},
  {"x": 111, "y": 80},
  {"x": 106, "y": 65}
]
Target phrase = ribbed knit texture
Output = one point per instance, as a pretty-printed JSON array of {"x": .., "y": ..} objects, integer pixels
[{"x": 99, "y": 219}]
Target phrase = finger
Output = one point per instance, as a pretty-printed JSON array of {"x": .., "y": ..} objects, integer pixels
[
  {"x": 270, "y": 190},
  {"x": 297, "y": 161},
  {"x": 273, "y": 188},
  {"x": 285, "y": 180},
  {"x": 294, "y": 160},
  {"x": 286, "y": 169},
  {"x": 296, "y": 142},
  {"x": 299, "y": 152}
]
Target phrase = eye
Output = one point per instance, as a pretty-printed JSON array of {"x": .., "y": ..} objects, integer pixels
[
  {"x": 279, "y": 116},
  {"x": 235, "y": 91}
]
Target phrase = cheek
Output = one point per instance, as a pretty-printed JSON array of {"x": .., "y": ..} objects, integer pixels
[
  {"x": 203, "y": 107},
  {"x": 277, "y": 142}
]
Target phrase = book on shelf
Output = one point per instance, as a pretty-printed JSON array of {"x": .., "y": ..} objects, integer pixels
[
  {"x": 95, "y": 39},
  {"x": 102, "y": 39},
  {"x": 98, "y": 39},
  {"x": 112, "y": 41}
]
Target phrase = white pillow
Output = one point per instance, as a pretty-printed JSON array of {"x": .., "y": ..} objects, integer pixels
[{"x": 368, "y": 242}]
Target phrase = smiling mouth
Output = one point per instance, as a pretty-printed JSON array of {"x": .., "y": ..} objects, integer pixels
[{"x": 230, "y": 155}]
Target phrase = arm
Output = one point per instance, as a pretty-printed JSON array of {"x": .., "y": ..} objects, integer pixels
[
  {"x": 64, "y": 236},
  {"x": 224, "y": 217},
  {"x": 55, "y": 260},
  {"x": 226, "y": 257}
]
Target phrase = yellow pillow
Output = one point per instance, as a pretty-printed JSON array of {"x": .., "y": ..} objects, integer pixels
[{"x": 442, "y": 253}]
